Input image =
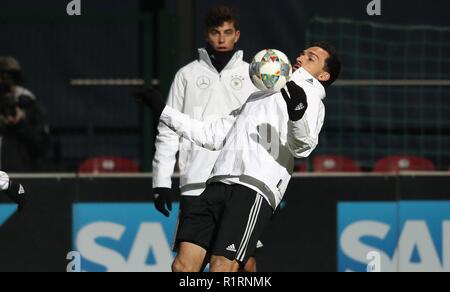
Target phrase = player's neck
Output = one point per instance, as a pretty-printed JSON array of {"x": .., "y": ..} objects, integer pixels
[{"x": 219, "y": 59}]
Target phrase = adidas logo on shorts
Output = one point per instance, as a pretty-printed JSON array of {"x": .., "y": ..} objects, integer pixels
[
  {"x": 231, "y": 248},
  {"x": 259, "y": 244}
]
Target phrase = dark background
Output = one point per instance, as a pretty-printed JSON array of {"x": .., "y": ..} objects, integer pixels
[{"x": 108, "y": 41}]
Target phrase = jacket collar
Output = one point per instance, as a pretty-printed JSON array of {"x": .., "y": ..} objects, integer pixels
[
  {"x": 301, "y": 75},
  {"x": 204, "y": 56}
]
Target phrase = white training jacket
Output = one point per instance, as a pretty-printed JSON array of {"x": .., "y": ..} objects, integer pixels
[
  {"x": 4, "y": 181},
  {"x": 200, "y": 92},
  {"x": 258, "y": 142}
]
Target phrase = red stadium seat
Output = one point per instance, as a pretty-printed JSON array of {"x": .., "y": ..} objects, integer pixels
[
  {"x": 404, "y": 163},
  {"x": 335, "y": 163},
  {"x": 108, "y": 165},
  {"x": 301, "y": 166}
]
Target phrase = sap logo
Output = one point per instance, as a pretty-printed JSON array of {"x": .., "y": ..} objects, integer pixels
[
  {"x": 150, "y": 238},
  {"x": 6, "y": 211},
  {"x": 123, "y": 237},
  {"x": 407, "y": 236}
]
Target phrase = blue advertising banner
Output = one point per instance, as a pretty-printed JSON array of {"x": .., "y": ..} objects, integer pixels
[
  {"x": 123, "y": 237},
  {"x": 408, "y": 236},
  {"x": 6, "y": 211}
]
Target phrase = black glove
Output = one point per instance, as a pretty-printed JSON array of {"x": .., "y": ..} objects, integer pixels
[
  {"x": 151, "y": 98},
  {"x": 16, "y": 193},
  {"x": 162, "y": 198},
  {"x": 296, "y": 101}
]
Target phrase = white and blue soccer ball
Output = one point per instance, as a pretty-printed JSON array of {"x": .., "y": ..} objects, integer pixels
[{"x": 270, "y": 70}]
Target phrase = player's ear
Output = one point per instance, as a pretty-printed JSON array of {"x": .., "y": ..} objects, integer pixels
[
  {"x": 237, "y": 36},
  {"x": 324, "y": 76}
]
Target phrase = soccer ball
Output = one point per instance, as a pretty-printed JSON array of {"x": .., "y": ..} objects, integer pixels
[{"x": 270, "y": 70}]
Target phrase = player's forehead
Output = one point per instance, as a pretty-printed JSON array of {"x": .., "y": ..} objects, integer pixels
[
  {"x": 227, "y": 25},
  {"x": 319, "y": 52}
]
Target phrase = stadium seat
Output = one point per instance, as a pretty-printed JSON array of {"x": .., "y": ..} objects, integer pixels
[
  {"x": 301, "y": 166},
  {"x": 404, "y": 163},
  {"x": 108, "y": 165},
  {"x": 334, "y": 163}
]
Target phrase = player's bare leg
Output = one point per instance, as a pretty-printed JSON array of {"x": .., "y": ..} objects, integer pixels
[
  {"x": 223, "y": 265},
  {"x": 250, "y": 266},
  {"x": 190, "y": 258}
]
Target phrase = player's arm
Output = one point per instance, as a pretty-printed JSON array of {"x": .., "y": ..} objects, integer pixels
[
  {"x": 15, "y": 192},
  {"x": 210, "y": 136},
  {"x": 167, "y": 145},
  {"x": 306, "y": 117}
]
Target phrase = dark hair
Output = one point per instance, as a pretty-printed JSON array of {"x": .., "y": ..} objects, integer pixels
[
  {"x": 10, "y": 71},
  {"x": 332, "y": 64},
  {"x": 218, "y": 15}
]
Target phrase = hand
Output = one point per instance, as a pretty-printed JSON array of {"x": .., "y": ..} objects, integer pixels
[
  {"x": 296, "y": 101},
  {"x": 13, "y": 120},
  {"x": 162, "y": 198},
  {"x": 16, "y": 193},
  {"x": 151, "y": 98}
]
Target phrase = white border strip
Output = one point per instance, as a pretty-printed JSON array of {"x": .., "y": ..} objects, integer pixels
[{"x": 295, "y": 175}]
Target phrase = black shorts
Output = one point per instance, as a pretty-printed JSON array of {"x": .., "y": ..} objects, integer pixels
[
  {"x": 185, "y": 204},
  {"x": 226, "y": 220}
]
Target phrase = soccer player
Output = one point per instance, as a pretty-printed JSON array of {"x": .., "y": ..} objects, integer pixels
[
  {"x": 206, "y": 89},
  {"x": 13, "y": 191},
  {"x": 252, "y": 172}
]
